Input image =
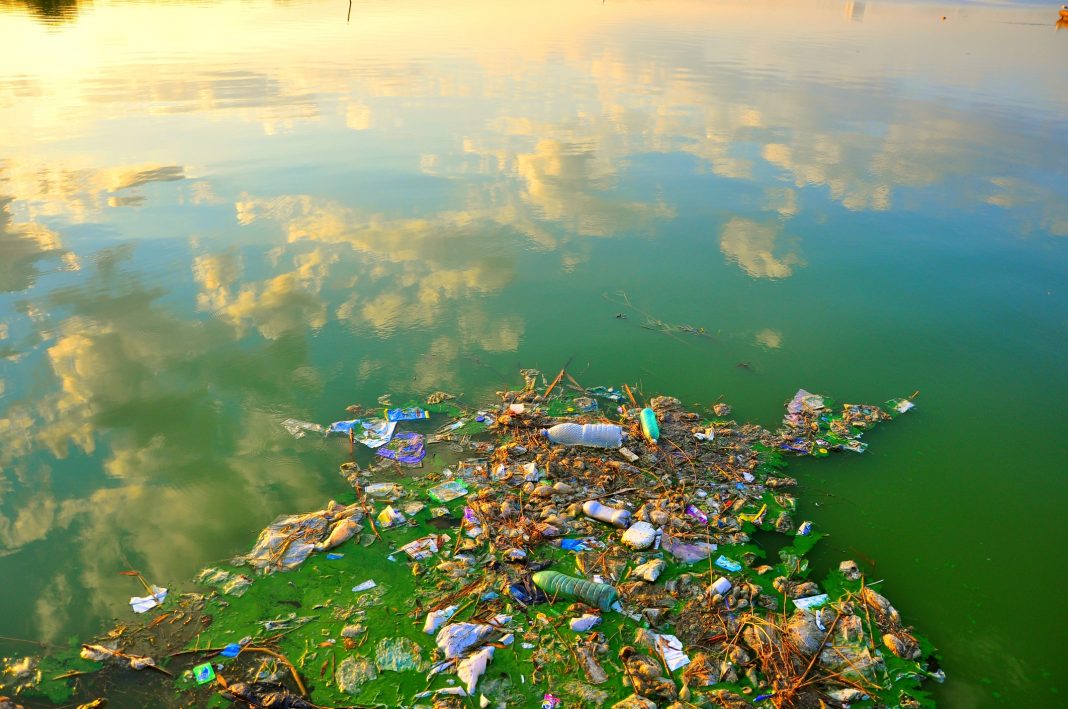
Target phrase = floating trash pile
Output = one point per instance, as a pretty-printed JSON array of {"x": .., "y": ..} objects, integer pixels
[{"x": 563, "y": 547}]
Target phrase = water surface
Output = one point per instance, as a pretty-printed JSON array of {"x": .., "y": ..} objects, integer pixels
[{"x": 218, "y": 215}]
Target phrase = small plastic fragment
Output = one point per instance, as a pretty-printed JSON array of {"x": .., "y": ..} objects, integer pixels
[
  {"x": 810, "y": 601},
  {"x": 204, "y": 673},
  {"x": 231, "y": 650},
  {"x": 728, "y": 564},
  {"x": 413, "y": 413},
  {"x": 447, "y": 491},
  {"x": 390, "y": 517}
]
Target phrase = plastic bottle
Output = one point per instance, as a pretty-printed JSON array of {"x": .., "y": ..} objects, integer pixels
[
  {"x": 650, "y": 428},
  {"x": 603, "y": 513},
  {"x": 554, "y": 584},
  {"x": 596, "y": 435}
]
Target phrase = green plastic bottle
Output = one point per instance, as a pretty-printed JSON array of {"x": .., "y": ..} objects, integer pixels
[{"x": 650, "y": 428}]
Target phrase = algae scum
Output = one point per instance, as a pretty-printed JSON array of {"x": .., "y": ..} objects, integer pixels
[{"x": 480, "y": 563}]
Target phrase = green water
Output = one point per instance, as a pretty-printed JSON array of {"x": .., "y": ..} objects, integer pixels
[{"x": 219, "y": 215}]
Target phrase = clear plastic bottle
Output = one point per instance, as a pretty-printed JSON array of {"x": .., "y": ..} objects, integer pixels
[{"x": 596, "y": 435}]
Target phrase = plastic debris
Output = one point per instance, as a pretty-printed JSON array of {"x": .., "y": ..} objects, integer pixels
[
  {"x": 595, "y": 435},
  {"x": 398, "y": 655},
  {"x": 811, "y": 601},
  {"x": 610, "y": 393},
  {"x": 405, "y": 447},
  {"x": 413, "y": 413},
  {"x": 383, "y": 489},
  {"x": 585, "y": 404},
  {"x": 288, "y": 622},
  {"x": 390, "y": 517},
  {"x": 438, "y": 618},
  {"x": 373, "y": 433},
  {"x": 231, "y": 650},
  {"x": 667, "y": 647},
  {"x": 298, "y": 428},
  {"x": 425, "y": 547},
  {"x": 649, "y": 571},
  {"x": 685, "y": 552},
  {"x": 447, "y": 491},
  {"x": 596, "y": 594},
  {"x": 584, "y": 622},
  {"x": 447, "y": 691},
  {"x": 290, "y": 539},
  {"x": 204, "y": 673},
  {"x": 603, "y": 513},
  {"x": 456, "y": 639},
  {"x": 473, "y": 667},
  {"x": 697, "y": 514},
  {"x": 728, "y": 564},
  {"x": 365, "y": 586},
  {"x": 353, "y": 672},
  {"x": 650, "y": 428},
  {"x": 229, "y": 584},
  {"x": 143, "y": 604}
]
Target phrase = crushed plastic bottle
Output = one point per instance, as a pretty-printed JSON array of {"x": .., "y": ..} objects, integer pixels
[{"x": 595, "y": 435}]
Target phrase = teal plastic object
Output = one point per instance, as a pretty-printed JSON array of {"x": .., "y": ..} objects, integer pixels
[
  {"x": 555, "y": 584},
  {"x": 649, "y": 425}
]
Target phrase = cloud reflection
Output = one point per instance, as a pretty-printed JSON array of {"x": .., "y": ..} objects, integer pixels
[
  {"x": 757, "y": 249},
  {"x": 23, "y": 246}
]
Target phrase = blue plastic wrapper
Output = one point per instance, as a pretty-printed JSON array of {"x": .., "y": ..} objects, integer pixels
[
  {"x": 411, "y": 414},
  {"x": 404, "y": 448},
  {"x": 519, "y": 593},
  {"x": 728, "y": 564}
]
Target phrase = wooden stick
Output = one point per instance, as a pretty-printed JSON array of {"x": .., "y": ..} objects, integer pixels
[
  {"x": 145, "y": 584},
  {"x": 72, "y": 673},
  {"x": 21, "y": 640},
  {"x": 362, "y": 499},
  {"x": 554, "y": 383},
  {"x": 578, "y": 662},
  {"x": 815, "y": 657},
  {"x": 280, "y": 656},
  {"x": 160, "y": 669}
]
